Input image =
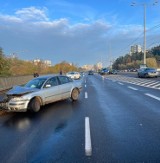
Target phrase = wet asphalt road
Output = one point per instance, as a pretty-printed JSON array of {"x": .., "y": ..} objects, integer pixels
[{"x": 124, "y": 126}]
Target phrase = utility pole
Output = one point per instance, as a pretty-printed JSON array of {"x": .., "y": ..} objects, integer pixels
[
  {"x": 144, "y": 57},
  {"x": 144, "y": 25}
]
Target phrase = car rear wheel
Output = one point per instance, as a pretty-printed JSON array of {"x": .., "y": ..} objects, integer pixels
[
  {"x": 34, "y": 105},
  {"x": 75, "y": 94}
]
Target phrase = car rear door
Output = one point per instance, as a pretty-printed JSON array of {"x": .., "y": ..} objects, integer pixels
[{"x": 66, "y": 85}]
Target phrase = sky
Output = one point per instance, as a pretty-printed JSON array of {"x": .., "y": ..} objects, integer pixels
[{"x": 77, "y": 31}]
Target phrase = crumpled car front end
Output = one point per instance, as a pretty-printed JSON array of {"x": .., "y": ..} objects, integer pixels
[
  {"x": 14, "y": 103},
  {"x": 16, "y": 100}
]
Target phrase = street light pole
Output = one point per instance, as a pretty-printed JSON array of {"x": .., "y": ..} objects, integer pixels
[
  {"x": 144, "y": 41},
  {"x": 144, "y": 46}
]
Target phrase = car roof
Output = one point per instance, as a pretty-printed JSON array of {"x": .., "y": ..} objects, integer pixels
[{"x": 48, "y": 76}]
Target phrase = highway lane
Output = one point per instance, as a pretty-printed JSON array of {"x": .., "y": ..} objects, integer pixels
[
  {"x": 124, "y": 126},
  {"x": 132, "y": 121}
]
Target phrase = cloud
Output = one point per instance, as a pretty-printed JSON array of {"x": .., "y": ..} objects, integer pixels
[
  {"x": 32, "y": 14},
  {"x": 9, "y": 19},
  {"x": 31, "y": 29}
]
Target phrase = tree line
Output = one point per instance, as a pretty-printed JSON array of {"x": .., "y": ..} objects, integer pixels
[
  {"x": 15, "y": 66},
  {"x": 134, "y": 60}
]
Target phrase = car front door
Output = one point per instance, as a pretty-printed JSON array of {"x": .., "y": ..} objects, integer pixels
[{"x": 51, "y": 90}]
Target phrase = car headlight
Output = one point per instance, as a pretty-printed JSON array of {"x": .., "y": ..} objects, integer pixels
[{"x": 18, "y": 99}]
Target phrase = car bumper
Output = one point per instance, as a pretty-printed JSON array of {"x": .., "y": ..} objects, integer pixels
[
  {"x": 20, "y": 106},
  {"x": 152, "y": 74}
]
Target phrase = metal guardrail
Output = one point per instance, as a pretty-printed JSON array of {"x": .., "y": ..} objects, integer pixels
[{"x": 8, "y": 82}]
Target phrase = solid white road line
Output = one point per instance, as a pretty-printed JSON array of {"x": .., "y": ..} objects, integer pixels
[
  {"x": 135, "y": 89},
  {"x": 155, "y": 97},
  {"x": 88, "y": 145},
  {"x": 86, "y": 95}
]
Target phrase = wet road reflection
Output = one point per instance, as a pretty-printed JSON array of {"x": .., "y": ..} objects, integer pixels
[
  {"x": 58, "y": 112},
  {"x": 31, "y": 132}
]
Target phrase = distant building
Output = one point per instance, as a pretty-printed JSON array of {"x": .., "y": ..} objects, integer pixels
[
  {"x": 88, "y": 67},
  {"x": 45, "y": 62},
  {"x": 135, "y": 49},
  {"x": 99, "y": 65},
  {"x": 36, "y": 61}
]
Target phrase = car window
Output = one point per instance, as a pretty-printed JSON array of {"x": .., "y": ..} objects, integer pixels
[
  {"x": 64, "y": 79},
  {"x": 151, "y": 69},
  {"x": 53, "y": 82},
  {"x": 36, "y": 83},
  {"x": 141, "y": 69}
]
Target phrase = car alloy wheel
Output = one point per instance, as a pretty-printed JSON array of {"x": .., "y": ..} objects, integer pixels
[
  {"x": 74, "y": 94},
  {"x": 34, "y": 105}
]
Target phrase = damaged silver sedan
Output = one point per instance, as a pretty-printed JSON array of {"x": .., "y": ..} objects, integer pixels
[{"x": 39, "y": 92}]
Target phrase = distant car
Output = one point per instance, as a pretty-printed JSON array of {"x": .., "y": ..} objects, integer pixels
[
  {"x": 40, "y": 91},
  {"x": 112, "y": 71},
  {"x": 73, "y": 75},
  {"x": 104, "y": 71},
  {"x": 90, "y": 72},
  {"x": 147, "y": 72}
]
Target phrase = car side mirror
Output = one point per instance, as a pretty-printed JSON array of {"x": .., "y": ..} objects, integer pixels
[{"x": 47, "y": 85}]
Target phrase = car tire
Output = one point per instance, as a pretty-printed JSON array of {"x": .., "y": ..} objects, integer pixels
[
  {"x": 75, "y": 94},
  {"x": 34, "y": 105}
]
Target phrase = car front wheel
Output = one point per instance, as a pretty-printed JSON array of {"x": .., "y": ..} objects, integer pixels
[
  {"x": 75, "y": 94},
  {"x": 34, "y": 105}
]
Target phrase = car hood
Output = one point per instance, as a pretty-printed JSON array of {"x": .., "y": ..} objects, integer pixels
[{"x": 19, "y": 90}]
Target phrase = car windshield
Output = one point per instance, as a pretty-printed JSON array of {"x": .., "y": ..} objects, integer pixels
[
  {"x": 36, "y": 83},
  {"x": 150, "y": 69},
  {"x": 71, "y": 73}
]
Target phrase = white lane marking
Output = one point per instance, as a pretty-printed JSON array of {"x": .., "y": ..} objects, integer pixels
[
  {"x": 135, "y": 89},
  {"x": 155, "y": 97},
  {"x": 157, "y": 85},
  {"x": 153, "y": 83},
  {"x": 88, "y": 145},
  {"x": 85, "y": 85},
  {"x": 120, "y": 83},
  {"x": 86, "y": 95}
]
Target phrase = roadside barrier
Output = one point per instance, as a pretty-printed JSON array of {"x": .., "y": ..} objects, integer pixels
[{"x": 9, "y": 82}]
